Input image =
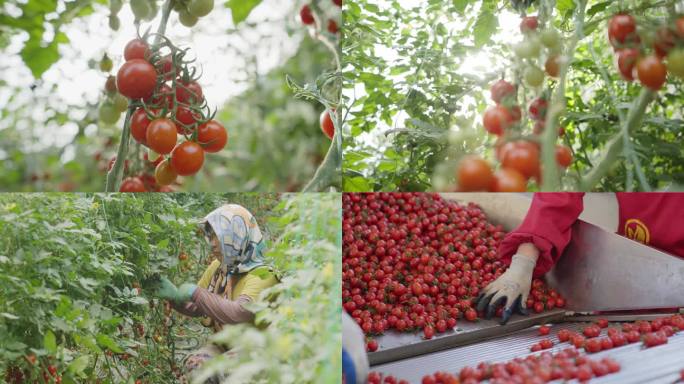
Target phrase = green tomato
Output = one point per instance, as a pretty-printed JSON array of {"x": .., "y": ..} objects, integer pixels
[
  {"x": 108, "y": 113},
  {"x": 527, "y": 49},
  {"x": 187, "y": 19},
  {"x": 115, "y": 6},
  {"x": 533, "y": 76},
  {"x": 675, "y": 62},
  {"x": 141, "y": 9},
  {"x": 120, "y": 102},
  {"x": 106, "y": 64},
  {"x": 200, "y": 8},
  {"x": 114, "y": 22},
  {"x": 550, "y": 38}
]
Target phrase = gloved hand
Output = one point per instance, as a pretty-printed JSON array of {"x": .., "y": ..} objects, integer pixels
[
  {"x": 509, "y": 290},
  {"x": 167, "y": 291}
]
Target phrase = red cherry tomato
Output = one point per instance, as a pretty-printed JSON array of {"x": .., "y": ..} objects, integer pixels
[
  {"x": 136, "y": 79},
  {"x": 523, "y": 157},
  {"x": 621, "y": 29},
  {"x": 538, "y": 108},
  {"x": 664, "y": 42},
  {"x": 136, "y": 49},
  {"x": 552, "y": 65},
  {"x": 161, "y": 135},
  {"x": 327, "y": 125},
  {"x": 626, "y": 60},
  {"x": 187, "y": 158},
  {"x": 132, "y": 184},
  {"x": 372, "y": 345},
  {"x": 544, "y": 330},
  {"x": 166, "y": 66},
  {"x": 212, "y": 136},
  {"x": 139, "y": 124},
  {"x": 496, "y": 119},
  {"x": 529, "y": 23},
  {"x": 593, "y": 345},
  {"x": 163, "y": 97},
  {"x": 306, "y": 15},
  {"x": 501, "y": 90},
  {"x": 509, "y": 180},
  {"x": 190, "y": 93},
  {"x": 474, "y": 174},
  {"x": 332, "y": 27},
  {"x": 185, "y": 116},
  {"x": 652, "y": 72},
  {"x": 563, "y": 156}
]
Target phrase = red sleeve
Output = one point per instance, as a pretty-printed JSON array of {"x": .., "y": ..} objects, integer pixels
[{"x": 548, "y": 225}]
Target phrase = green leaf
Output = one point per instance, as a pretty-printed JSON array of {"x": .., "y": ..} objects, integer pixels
[
  {"x": 79, "y": 365},
  {"x": 50, "y": 342},
  {"x": 240, "y": 9},
  {"x": 485, "y": 26},
  {"x": 39, "y": 58},
  {"x": 106, "y": 342}
]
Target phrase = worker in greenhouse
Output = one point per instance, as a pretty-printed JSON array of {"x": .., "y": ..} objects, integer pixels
[
  {"x": 236, "y": 276},
  {"x": 535, "y": 246}
]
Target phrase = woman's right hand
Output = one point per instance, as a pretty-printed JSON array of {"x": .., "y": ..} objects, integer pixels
[{"x": 167, "y": 290}]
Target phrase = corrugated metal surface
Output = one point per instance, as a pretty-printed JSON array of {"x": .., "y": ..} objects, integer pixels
[
  {"x": 653, "y": 365},
  {"x": 395, "y": 346}
]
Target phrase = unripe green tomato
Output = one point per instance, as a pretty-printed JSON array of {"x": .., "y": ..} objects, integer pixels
[
  {"x": 550, "y": 38},
  {"x": 106, "y": 63},
  {"x": 108, "y": 113},
  {"x": 533, "y": 76},
  {"x": 187, "y": 19},
  {"x": 120, "y": 102},
  {"x": 527, "y": 49},
  {"x": 675, "y": 62},
  {"x": 115, "y": 6},
  {"x": 200, "y": 8},
  {"x": 140, "y": 8},
  {"x": 114, "y": 22}
]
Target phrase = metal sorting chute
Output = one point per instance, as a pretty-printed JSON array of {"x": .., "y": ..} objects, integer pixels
[{"x": 603, "y": 271}]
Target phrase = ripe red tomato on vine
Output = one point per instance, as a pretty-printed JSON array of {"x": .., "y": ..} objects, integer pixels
[
  {"x": 474, "y": 174},
  {"x": 136, "y": 79},
  {"x": 306, "y": 15},
  {"x": 212, "y": 136},
  {"x": 187, "y": 158},
  {"x": 327, "y": 125},
  {"x": 161, "y": 135}
]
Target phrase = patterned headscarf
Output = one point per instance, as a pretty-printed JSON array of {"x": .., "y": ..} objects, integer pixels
[{"x": 239, "y": 235}]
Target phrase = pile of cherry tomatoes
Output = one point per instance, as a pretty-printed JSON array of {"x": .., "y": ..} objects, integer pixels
[
  {"x": 168, "y": 102},
  {"x": 415, "y": 261},
  {"x": 650, "y": 333},
  {"x": 638, "y": 56},
  {"x": 518, "y": 154},
  {"x": 567, "y": 364}
]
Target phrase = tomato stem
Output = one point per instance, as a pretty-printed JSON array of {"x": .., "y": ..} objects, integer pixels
[
  {"x": 616, "y": 144},
  {"x": 550, "y": 169}
]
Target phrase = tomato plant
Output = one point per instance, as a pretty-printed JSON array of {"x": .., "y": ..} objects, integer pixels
[
  {"x": 263, "y": 99},
  {"x": 106, "y": 326},
  {"x": 421, "y": 95}
]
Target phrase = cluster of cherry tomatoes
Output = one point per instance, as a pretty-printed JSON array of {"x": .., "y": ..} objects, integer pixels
[
  {"x": 307, "y": 17},
  {"x": 414, "y": 261},
  {"x": 567, "y": 364},
  {"x": 189, "y": 11},
  {"x": 519, "y": 157},
  {"x": 32, "y": 367},
  {"x": 650, "y": 333},
  {"x": 648, "y": 60},
  {"x": 165, "y": 112}
]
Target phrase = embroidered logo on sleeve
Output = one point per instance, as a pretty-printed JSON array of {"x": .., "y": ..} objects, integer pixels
[{"x": 636, "y": 230}]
